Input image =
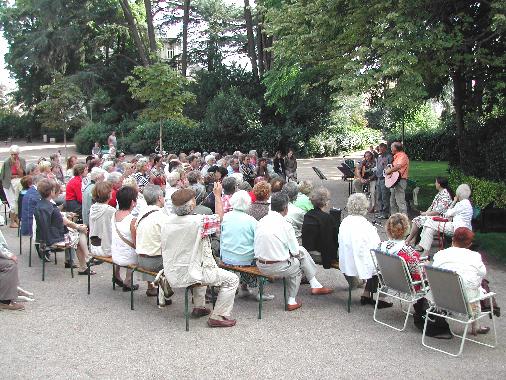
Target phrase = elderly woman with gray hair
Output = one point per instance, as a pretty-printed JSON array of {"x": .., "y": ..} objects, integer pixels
[
  {"x": 319, "y": 232},
  {"x": 295, "y": 215},
  {"x": 12, "y": 171},
  {"x": 237, "y": 240},
  {"x": 460, "y": 214},
  {"x": 357, "y": 236},
  {"x": 303, "y": 202}
]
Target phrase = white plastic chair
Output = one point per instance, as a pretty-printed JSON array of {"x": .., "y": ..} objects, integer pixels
[
  {"x": 395, "y": 281},
  {"x": 451, "y": 303}
]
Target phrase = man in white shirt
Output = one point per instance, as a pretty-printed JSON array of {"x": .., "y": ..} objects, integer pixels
[
  {"x": 148, "y": 239},
  {"x": 278, "y": 253}
]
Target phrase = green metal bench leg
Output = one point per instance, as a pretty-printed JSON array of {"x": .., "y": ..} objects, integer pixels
[
  {"x": 30, "y": 254},
  {"x": 71, "y": 263},
  {"x": 113, "y": 273},
  {"x": 89, "y": 275},
  {"x": 261, "y": 292},
  {"x": 213, "y": 296},
  {"x": 132, "y": 289},
  {"x": 43, "y": 265},
  {"x": 284, "y": 294},
  {"x": 349, "y": 297},
  {"x": 186, "y": 311},
  {"x": 20, "y": 245}
]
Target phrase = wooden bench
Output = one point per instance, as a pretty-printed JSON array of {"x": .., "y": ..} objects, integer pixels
[
  {"x": 255, "y": 272},
  {"x": 136, "y": 268}
]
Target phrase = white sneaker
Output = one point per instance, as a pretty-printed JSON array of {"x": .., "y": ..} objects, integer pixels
[
  {"x": 24, "y": 299},
  {"x": 23, "y": 292},
  {"x": 265, "y": 297}
]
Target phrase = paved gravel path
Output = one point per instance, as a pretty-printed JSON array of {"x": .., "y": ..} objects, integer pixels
[{"x": 68, "y": 334}]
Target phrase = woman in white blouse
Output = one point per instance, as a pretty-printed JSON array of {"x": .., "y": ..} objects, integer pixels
[
  {"x": 469, "y": 266},
  {"x": 357, "y": 236},
  {"x": 460, "y": 214}
]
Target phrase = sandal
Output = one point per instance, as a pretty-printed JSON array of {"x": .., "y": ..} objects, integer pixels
[
  {"x": 85, "y": 272},
  {"x": 131, "y": 287},
  {"x": 118, "y": 282}
]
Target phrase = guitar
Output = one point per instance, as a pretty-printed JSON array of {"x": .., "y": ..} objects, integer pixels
[{"x": 392, "y": 178}]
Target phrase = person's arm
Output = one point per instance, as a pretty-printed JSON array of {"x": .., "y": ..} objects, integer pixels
[
  {"x": 218, "y": 204},
  {"x": 133, "y": 230}
]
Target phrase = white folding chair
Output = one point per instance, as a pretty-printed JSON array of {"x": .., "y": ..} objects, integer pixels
[
  {"x": 395, "y": 281},
  {"x": 451, "y": 303}
]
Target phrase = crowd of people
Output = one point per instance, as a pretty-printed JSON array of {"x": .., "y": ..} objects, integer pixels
[{"x": 183, "y": 213}]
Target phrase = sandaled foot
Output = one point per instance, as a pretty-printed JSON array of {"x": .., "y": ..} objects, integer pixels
[{"x": 198, "y": 312}]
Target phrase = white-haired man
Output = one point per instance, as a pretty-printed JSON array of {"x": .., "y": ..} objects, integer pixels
[
  {"x": 97, "y": 175},
  {"x": 13, "y": 170},
  {"x": 148, "y": 237},
  {"x": 279, "y": 254},
  {"x": 460, "y": 214},
  {"x": 188, "y": 258}
]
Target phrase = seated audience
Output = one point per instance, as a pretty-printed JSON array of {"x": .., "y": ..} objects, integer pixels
[
  {"x": 9, "y": 280},
  {"x": 397, "y": 227},
  {"x": 124, "y": 234},
  {"x": 210, "y": 160},
  {"x": 469, "y": 265},
  {"x": 74, "y": 190},
  {"x": 439, "y": 206},
  {"x": 303, "y": 202},
  {"x": 55, "y": 230},
  {"x": 234, "y": 166},
  {"x": 30, "y": 200},
  {"x": 229, "y": 188},
  {"x": 260, "y": 207},
  {"x": 247, "y": 169},
  {"x": 460, "y": 214},
  {"x": 185, "y": 233},
  {"x": 97, "y": 175},
  {"x": 116, "y": 181},
  {"x": 278, "y": 253},
  {"x": 237, "y": 240},
  {"x": 295, "y": 215},
  {"x": 140, "y": 202},
  {"x": 142, "y": 176},
  {"x": 148, "y": 237},
  {"x": 277, "y": 184},
  {"x": 319, "y": 231},
  {"x": 357, "y": 236},
  {"x": 261, "y": 170}
]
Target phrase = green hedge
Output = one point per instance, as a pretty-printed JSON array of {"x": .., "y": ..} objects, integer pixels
[
  {"x": 435, "y": 145},
  {"x": 484, "y": 192}
]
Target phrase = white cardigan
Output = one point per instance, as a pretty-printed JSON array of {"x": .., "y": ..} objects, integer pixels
[{"x": 357, "y": 236}]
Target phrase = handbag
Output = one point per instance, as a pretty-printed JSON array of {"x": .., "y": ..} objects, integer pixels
[{"x": 125, "y": 240}]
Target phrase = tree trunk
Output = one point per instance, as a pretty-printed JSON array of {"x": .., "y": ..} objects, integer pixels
[
  {"x": 251, "y": 38},
  {"x": 134, "y": 32},
  {"x": 186, "y": 21},
  {"x": 260, "y": 46},
  {"x": 458, "y": 104},
  {"x": 151, "y": 28}
]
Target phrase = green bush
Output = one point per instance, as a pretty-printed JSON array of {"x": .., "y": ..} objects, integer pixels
[
  {"x": 431, "y": 145},
  {"x": 484, "y": 192},
  {"x": 86, "y": 136},
  {"x": 15, "y": 126}
]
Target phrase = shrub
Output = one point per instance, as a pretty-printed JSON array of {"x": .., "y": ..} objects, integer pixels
[
  {"x": 431, "y": 145},
  {"x": 86, "y": 136},
  {"x": 484, "y": 193},
  {"x": 15, "y": 125}
]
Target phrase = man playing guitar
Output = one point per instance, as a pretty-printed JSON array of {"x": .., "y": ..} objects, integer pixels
[{"x": 400, "y": 164}]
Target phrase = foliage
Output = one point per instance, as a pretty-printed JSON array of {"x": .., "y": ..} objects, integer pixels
[
  {"x": 484, "y": 192},
  {"x": 15, "y": 125},
  {"x": 231, "y": 118},
  {"x": 85, "y": 138},
  {"x": 62, "y": 106},
  {"x": 162, "y": 90}
]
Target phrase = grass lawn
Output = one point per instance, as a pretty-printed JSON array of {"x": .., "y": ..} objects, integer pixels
[{"x": 424, "y": 173}]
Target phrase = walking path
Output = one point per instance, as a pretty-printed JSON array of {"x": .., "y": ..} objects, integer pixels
[{"x": 68, "y": 334}]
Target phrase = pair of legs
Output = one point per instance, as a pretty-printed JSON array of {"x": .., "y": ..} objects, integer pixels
[
  {"x": 9, "y": 282},
  {"x": 155, "y": 264},
  {"x": 383, "y": 198},
  {"x": 228, "y": 283},
  {"x": 292, "y": 270},
  {"x": 416, "y": 223},
  {"x": 398, "y": 198},
  {"x": 429, "y": 228},
  {"x": 12, "y": 195}
]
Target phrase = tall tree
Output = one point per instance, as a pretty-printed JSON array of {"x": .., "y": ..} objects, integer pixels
[
  {"x": 186, "y": 21},
  {"x": 151, "y": 28},
  {"x": 251, "y": 38},
  {"x": 132, "y": 26}
]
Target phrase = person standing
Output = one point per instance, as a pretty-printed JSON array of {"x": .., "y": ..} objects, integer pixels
[
  {"x": 13, "y": 170},
  {"x": 383, "y": 193},
  {"x": 112, "y": 140},
  {"x": 400, "y": 164}
]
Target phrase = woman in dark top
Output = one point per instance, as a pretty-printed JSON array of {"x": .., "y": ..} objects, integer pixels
[
  {"x": 319, "y": 232},
  {"x": 279, "y": 165}
]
